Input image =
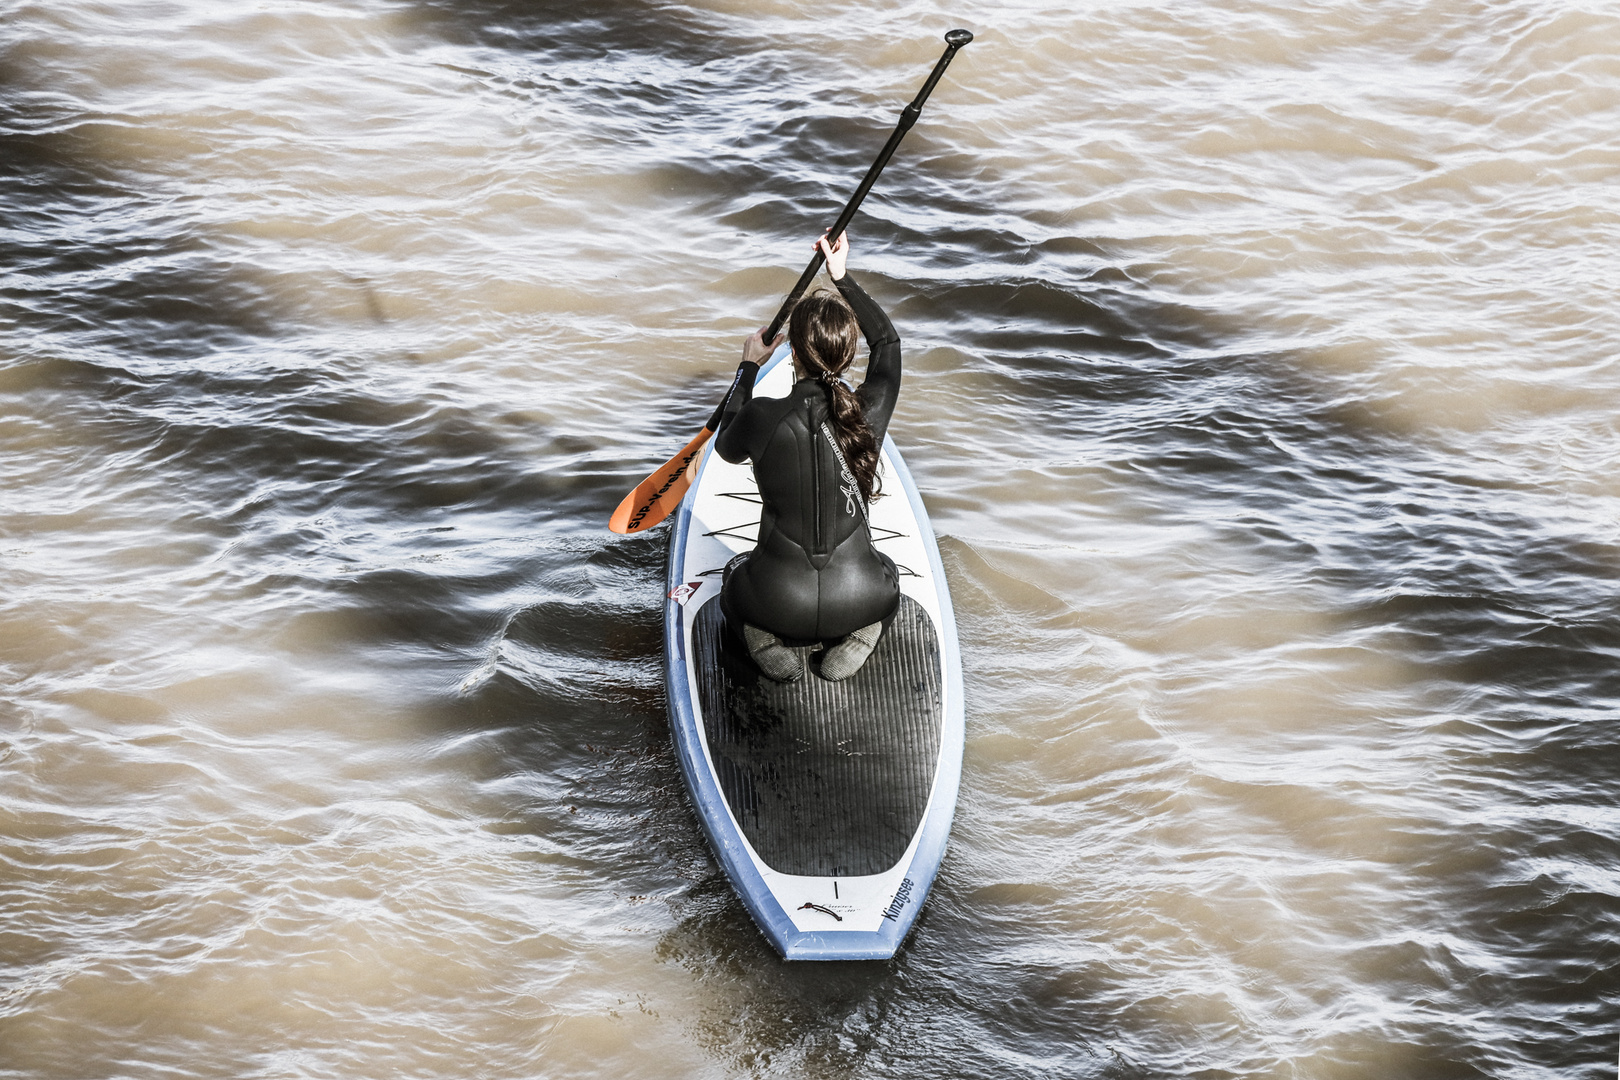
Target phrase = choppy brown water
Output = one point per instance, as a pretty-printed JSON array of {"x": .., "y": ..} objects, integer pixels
[{"x": 1262, "y": 386}]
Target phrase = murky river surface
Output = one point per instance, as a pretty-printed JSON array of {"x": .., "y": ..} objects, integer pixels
[{"x": 1261, "y": 382}]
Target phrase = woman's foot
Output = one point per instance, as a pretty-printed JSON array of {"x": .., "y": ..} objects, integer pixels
[
  {"x": 775, "y": 659},
  {"x": 845, "y": 658}
]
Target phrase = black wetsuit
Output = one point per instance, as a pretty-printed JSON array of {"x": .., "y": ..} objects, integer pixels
[{"x": 814, "y": 574}]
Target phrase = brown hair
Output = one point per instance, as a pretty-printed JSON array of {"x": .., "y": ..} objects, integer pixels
[{"x": 823, "y": 332}]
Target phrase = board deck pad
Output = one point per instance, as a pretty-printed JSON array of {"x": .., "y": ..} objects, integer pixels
[{"x": 826, "y": 779}]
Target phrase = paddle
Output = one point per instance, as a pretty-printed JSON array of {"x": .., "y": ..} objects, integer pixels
[{"x": 656, "y": 497}]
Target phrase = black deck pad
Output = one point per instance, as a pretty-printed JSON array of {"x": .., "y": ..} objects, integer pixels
[{"x": 826, "y": 779}]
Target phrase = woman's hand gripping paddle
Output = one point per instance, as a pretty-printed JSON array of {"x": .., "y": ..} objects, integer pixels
[{"x": 656, "y": 497}]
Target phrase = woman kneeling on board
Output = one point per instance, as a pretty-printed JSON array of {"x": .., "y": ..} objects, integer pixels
[{"x": 814, "y": 578}]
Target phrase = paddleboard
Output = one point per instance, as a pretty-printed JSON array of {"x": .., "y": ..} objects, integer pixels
[{"x": 827, "y": 804}]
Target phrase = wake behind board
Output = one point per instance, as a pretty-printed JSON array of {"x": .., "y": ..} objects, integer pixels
[{"x": 828, "y": 804}]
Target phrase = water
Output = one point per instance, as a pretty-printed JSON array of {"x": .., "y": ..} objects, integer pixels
[{"x": 1261, "y": 384}]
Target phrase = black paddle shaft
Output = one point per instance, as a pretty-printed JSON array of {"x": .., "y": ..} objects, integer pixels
[{"x": 908, "y": 116}]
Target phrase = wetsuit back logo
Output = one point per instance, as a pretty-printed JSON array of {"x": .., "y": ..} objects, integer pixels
[{"x": 851, "y": 492}]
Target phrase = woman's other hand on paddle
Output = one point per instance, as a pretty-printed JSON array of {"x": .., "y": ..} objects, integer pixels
[
  {"x": 755, "y": 351},
  {"x": 837, "y": 254}
]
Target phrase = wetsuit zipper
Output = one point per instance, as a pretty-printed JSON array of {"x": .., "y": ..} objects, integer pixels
[{"x": 815, "y": 486}]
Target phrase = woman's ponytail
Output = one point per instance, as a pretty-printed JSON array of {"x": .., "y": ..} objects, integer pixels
[
  {"x": 855, "y": 437},
  {"x": 823, "y": 332}
]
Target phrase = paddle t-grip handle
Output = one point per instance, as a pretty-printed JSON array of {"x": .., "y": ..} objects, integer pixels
[{"x": 908, "y": 116}]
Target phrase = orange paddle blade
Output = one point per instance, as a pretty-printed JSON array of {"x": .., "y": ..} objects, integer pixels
[{"x": 656, "y": 497}]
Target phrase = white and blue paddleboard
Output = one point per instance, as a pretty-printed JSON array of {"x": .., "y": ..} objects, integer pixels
[{"x": 827, "y": 803}]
